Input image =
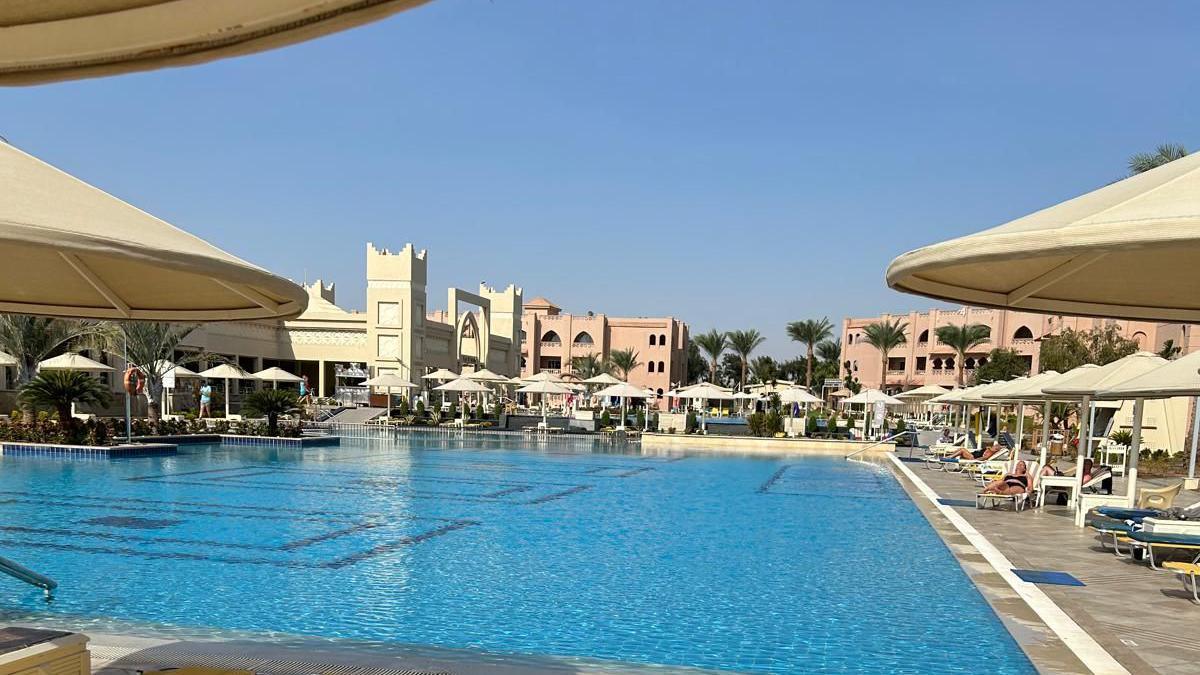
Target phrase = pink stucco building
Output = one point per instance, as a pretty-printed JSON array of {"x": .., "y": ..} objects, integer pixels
[
  {"x": 550, "y": 339},
  {"x": 923, "y": 360}
]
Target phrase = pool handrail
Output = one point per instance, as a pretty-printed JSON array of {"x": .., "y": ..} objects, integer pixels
[
  {"x": 22, "y": 573},
  {"x": 889, "y": 439}
]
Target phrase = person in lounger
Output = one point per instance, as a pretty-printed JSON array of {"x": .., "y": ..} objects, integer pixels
[
  {"x": 1011, "y": 484},
  {"x": 981, "y": 454}
]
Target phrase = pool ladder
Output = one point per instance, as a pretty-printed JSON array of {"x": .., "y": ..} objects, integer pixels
[
  {"x": 889, "y": 439},
  {"x": 22, "y": 573}
]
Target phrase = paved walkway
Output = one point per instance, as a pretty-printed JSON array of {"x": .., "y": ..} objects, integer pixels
[{"x": 1142, "y": 617}]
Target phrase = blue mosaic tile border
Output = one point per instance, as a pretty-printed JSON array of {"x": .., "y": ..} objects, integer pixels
[
  {"x": 276, "y": 442},
  {"x": 11, "y": 449}
]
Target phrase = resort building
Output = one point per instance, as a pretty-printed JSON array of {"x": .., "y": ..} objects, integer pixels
[
  {"x": 337, "y": 348},
  {"x": 923, "y": 360},
  {"x": 550, "y": 340}
]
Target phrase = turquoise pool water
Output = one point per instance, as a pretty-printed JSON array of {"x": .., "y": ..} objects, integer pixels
[{"x": 764, "y": 565}]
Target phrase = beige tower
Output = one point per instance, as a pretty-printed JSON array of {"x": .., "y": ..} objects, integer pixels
[
  {"x": 395, "y": 311},
  {"x": 505, "y": 324}
]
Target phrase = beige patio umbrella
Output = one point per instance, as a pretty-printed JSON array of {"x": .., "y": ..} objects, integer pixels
[
  {"x": 7, "y": 360},
  {"x": 72, "y": 250},
  {"x": 387, "y": 381},
  {"x": 463, "y": 386},
  {"x": 73, "y": 361},
  {"x": 542, "y": 376},
  {"x": 51, "y": 40},
  {"x": 226, "y": 372},
  {"x": 625, "y": 391},
  {"x": 543, "y": 388},
  {"x": 485, "y": 375},
  {"x": 275, "y": 375},
  {"x": 1130, "y": 249},
  {"x": 704, "y": 392},
  {"x": 604, "y": 379},
  {"x": 441, "y": 375},
  {"x": 927, "y": 391}
]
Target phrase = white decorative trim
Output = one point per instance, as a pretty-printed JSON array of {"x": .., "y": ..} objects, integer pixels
[{"x": 341, "y": 338}]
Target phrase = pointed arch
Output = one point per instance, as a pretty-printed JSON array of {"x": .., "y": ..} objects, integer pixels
[
  {"x": 1023, "y": 333},
  {"x": 551, "y": 336},
  {"x": 584, "y": 338},
  {"x": 924, "y": 337}
]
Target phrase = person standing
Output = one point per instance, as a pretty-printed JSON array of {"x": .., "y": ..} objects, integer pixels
[{"x": 205, "y": 400}]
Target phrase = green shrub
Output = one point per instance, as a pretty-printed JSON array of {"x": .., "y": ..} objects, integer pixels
[
  {"x": 605, "y": 419},
  {"x": 691, "y": 424},
  {"x": 757, "y": 422},
  {"x": 641, "y": 419},
  {"x": 773, "y": 424},
  {"x": 1121, "y": 436}
]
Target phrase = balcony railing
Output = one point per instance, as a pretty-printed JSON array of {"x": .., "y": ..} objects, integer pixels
[
  {"x": 583, "y": 346},
  {"x": 551, "y": 345}
]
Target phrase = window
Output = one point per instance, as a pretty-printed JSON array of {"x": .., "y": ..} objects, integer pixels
[
  {"x": 921, "y": 364},
  {"x": 550, "y": 363},
  {"x": 850, "y": 338},
  {"x": 896, "y": 363},
  {"x": 982, "y": 361},
  {"x": 924, "y": 337},
  {"x": 937, "y": 364},
  {"x": 950, "y": 363},
  {"x": 661, "y": 368},
  {"x": 524, "y": 337},
  {"x": 653, "y": 337},
  {"x": 969, "y": 363},
  {"x": 551, "y": 336},
  {"x": 650, "y": 367},
  {"x": 1023, "y": 333},
  {"x": 660, "y": 391},
  {"x": 662, "y": 340},
  {"x": 584, "y": 338}
]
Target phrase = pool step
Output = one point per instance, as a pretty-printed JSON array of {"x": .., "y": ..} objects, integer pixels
[{"x": 113, "y": 660}]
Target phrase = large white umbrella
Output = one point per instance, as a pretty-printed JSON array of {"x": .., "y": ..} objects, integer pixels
[
  {"x": 441, "y": 375},
  {"x": 73, "y": 361},
  {"x": 602, "y": 378},
  {"x": 927, "y": 391},
  {"x": 464, "y": 386},
  {"x": 873, "y": 396},
  {"x": 1130, "y": 250},
  {"x": 47, "y": 41},
  {"x": 625, "y": 391},
  {"x": 7, "y": 360},
  {"x": 544, "y": 388},
  {"x": 704, "y": 392},
  {"x": 72, "y": 250},
  {"x": 542, "y": 376},
  {"x": 275, "y": 375},
  {"x": 226, "y": 372},
  {"x": 387, "y": 381},
  {"x": 485, "y": 375},
  {"x": 798, "y": 395}
]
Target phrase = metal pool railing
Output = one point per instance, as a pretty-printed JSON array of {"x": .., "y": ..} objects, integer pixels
[
  {"x": 22, "y": 573},
  {"x": 889, "y": 439},
  {"x": 375, "y": 431}
]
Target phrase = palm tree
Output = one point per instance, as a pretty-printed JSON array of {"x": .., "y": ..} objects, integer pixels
[
  {"x": 1169, "y": 349},
  {"x": 590, "y": 366},
  {"x": 1144, "y": 161},
  {"x": 764, "y": 369},
  {"x": 624, "y": 360},
  {"x": 33, "y": 339},
  {"x": 270, "y": 403},
  {"x": 151, "y": 346},
  {"x": 885, "y": 336},
  {"x": 743, "y": 343},
  {"x": 714, "y": 343},
  {"x": 963, "y": 339},
  {"x": 830, "y": 351},
  {"x": 810, "y": 332},
  {"x": 58, "y": 390}
]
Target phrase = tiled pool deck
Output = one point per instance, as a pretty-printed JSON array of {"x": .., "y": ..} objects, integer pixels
[{"x": 1143, "y": 618}]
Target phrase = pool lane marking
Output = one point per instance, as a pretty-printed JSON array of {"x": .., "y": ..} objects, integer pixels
[{"x": 1083, "y": 645}]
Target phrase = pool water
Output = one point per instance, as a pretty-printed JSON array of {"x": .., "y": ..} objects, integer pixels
[{"x": 770, "y": 565}]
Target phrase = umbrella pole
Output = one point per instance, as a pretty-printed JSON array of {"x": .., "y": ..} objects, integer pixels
[
  {"x": 1045, "y": 431},
  {"x": 1085, "y": 434},
  {"x": 1135, "y": 443},
  {"x": 227, "y": 398},
  {"x": 1020, "y": 433},
  {"x": 1195, "y": 437},
  {"x": 129, "y": 403},
  {"x": 622, "y": 427}
]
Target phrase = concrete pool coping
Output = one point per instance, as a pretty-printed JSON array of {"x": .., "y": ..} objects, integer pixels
[{"x": 1052, "y": 638}]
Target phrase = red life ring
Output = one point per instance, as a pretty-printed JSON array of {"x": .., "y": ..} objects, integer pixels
[{"x": 135, "y": 381}]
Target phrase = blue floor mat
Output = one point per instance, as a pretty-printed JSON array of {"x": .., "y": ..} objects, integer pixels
[
  {"x": 955, "y": 502},
  {"x": 1044, "y": 577}
]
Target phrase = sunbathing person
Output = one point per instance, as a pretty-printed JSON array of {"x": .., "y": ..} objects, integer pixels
[
  {"x": 1011, "y": 484},
  {"x": 980, "y": 454}
]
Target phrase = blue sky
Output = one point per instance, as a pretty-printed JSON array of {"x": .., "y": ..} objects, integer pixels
[{"x": 734, "y": 164}]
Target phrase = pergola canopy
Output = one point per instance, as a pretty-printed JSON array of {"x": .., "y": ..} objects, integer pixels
[
  {"x": 50, "y": 40},
  {"x": 1180, "y": 377},
  {"x": 72, "y": 250},
  {"x": 1089, "y": 381},
  {"x": 1129, "y": 250}
]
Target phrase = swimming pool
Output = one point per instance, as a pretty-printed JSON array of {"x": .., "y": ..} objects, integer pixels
[{"x": 772, "y": 565}]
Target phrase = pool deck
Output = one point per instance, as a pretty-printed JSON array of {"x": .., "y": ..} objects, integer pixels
[{"x": 1143, "y": 618}]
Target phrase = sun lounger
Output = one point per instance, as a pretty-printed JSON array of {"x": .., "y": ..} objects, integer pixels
[
  {"x": 1177, "y": 542},
  {"x": 1018, "y": 500},
  {"x": 956, "y": 464},
  {"x": 1066, "y": 483},
  {"x": 1187, "y": 574}
]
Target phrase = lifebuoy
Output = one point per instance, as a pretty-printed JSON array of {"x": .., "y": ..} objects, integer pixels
[{"x": 135, "y": 381}]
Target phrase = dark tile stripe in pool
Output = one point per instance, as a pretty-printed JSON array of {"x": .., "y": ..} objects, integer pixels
[
  {"x": 135, "y": 539},
  {"x": 559, "y": 495},
  {"x": 415, "y": 494}
]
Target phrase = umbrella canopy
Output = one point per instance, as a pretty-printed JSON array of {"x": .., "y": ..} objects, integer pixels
[
  {"x": 872, "y": 396},
  {"x": 798, "y": 395},
  {"x": 485, "y": 375},
  {"x": 949, "y": 397},
  {"x": 7, "y": 360},
  {"x": 705, "y": 391},
  {"x": 462, "y": 384},
  {"x": 1021, "y": 388},
  {"x": 72, "y": 250},
  {"x": 73, "y": 361},
  {"x": 928, "y": 391},
  {"x": 602, "y": 378},
  {"x": 1128, "y": 250},
  {"x": 274, "y": 374},
  {"x": 72, "y": 39},
  {"x": 545, "y": 387},
  {"x": 389, "y": 380},
  {"x": 441, "y": 375},
  {"x": 170, "y": 369},
  {"x": 747, "y": 396},
  {"x": 227, "y": 371},
  {"x": 542, "y": 376},
  {"x": 1088, "y": 382},
  {"x": 841, "y": 393},
  {"x": 623, "y": 390},
  {"x": 1180, "y": 377},
  {"x": 976, "y": 394}
]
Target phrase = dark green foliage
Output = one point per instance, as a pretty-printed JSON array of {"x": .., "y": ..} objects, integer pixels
[
  {"x": 270, "y": 403},
  {"x": 1002, "y": 364},
  {"x": 57, "y": 389}
]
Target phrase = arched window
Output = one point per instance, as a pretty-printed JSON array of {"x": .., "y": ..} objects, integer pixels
[
  {"x": 924, "y": 337},
  {"x": 950, "y": 363},
  {"x": 1140, "y": 338},
  {"x": 524, "y": 337},
  {"x": 650, "y": 367},
  {"x": 653, "y": 337},
  {"x": 969, "y": 363},
  {"x": 661, "y": 367},
  {"x": 584, "y": 338},
  {"x": 850, "y": 338},
  {"x": 983, "y": 360},
  {"x": 662, "y": 339},
  {"x": 1023, "y": 333},
  {"x": 937, "y": 364},
  {"x": 660, "y": 392},
  {"x": 551, "y": 336}
]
